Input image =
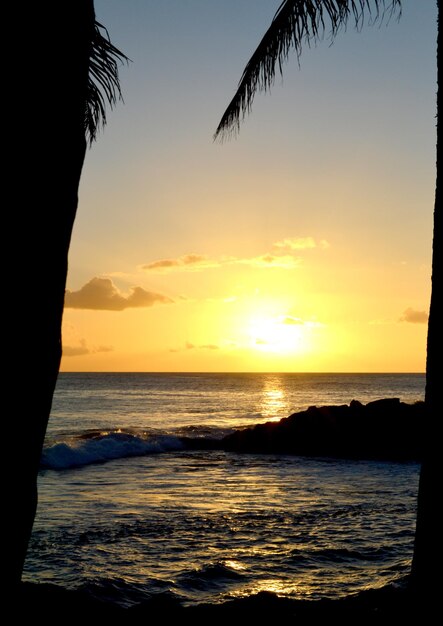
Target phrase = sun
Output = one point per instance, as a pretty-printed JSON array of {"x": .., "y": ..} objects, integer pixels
[{"x": 281, "y": 335}]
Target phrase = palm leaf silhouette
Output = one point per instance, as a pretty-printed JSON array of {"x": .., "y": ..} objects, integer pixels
[
  {"x": 295, "y": 23},
  {"x": 103, "y": 83}
]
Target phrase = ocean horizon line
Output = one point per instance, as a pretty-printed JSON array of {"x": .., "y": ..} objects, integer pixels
[{"x": 223, "y": 372}]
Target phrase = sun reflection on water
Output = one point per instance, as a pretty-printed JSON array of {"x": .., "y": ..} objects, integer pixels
[
  {"x": 282, "y": 588},
  {"x": 274, "y": 402}
]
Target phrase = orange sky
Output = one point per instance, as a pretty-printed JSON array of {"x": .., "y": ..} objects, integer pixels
[{"x": 302, "y": 245}]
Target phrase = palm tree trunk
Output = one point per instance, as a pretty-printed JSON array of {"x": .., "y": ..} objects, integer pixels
[
  {"x": 45, "y": 144},
  {"x": 427, "y": 538}
]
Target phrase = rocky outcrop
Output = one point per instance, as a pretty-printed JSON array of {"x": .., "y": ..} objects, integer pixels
[{"x": 384, "y": 429}]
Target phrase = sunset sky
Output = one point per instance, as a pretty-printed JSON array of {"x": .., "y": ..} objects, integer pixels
[{"x": 304, "y": 244}]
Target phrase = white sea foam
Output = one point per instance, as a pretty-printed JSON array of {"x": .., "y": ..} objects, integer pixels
[{"x": 105, "y": 448}]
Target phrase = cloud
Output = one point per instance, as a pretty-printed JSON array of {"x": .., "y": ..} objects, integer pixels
[
  {"x": 414, "y": 317},
  {"x": 300, "y": 243},
  {"x": 192, "y": 346},
  {"x": 281, "y": 258},
  {"x": 187, "y": 262},
  {"x": 273, "y": 261},
  {"x": 101, "y": 294},
  {"x": 298, "y": 321},
  {"x": 292, "y": 320},
  {"x": 199, "y": 262},
  {"x": 83, "y": 349}
]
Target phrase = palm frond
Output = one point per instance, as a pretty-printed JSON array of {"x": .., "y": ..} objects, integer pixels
[
  {"x": 295, "y": 23},
  {"x": 103, "y": 83}
]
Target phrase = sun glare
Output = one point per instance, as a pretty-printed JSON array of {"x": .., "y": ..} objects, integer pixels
[{"x": 277, "y": 335}]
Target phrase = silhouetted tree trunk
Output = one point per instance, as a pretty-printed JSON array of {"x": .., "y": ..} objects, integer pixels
[
  {"x": 44, "y": 132},
  {"x": 427, "y": 550}
]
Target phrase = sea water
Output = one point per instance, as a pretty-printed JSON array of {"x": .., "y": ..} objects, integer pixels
[{"x": 127, "y": 511}]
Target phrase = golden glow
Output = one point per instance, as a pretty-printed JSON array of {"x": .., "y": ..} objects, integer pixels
[
  {"x": 209, "y": 246},
  {"x": 278, "y": 326},
  {"x": 280, "y": 335},
  {"x": 279, "y": 587},
  {"x": 235, "y": 565},
  {"x": 274, "y": 401}
]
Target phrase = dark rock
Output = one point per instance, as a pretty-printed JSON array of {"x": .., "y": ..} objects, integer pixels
[{"x": 383, "y": 429}]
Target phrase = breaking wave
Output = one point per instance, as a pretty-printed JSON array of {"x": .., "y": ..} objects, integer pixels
[{"x": 103, "y": 447}]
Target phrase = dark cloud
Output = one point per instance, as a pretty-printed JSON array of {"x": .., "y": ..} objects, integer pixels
[
  {"x": 414, "y": 317},
  {"x": 101, "y": 294}
]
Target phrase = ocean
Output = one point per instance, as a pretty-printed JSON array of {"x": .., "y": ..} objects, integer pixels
[{"x": 127, "y": 511}]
